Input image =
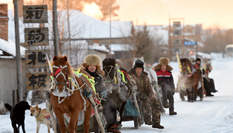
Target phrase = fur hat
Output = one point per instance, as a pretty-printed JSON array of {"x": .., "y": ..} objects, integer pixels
[
  {"x": 198, "y": 59},
  {"x": 139, "y": 63},
  {"x": 164, "y": 61},
  {"x": 92, "y": 60}
]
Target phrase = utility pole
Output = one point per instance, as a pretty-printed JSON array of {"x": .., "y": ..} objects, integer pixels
[
  {"x": 55, "y": 29},
  {"x": 110, "y": 24},
  {"x": 68, "y": 24},
  {"x": 169, "y": 40},
  {"x": 55, "y": 41},
  {"x": 19, "y": 95},
  {"x": 110, "y": 29}
]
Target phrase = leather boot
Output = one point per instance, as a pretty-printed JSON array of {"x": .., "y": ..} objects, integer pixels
[
  {"x": 172, "y": 113},
  {"x": 157, "y": 126}
]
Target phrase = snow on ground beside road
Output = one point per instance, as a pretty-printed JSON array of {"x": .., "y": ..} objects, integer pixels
[{"x": 213, "y": 115}]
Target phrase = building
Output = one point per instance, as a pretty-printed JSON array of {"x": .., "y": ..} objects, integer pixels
[
  {"x": 184, "y": 39},
  {"x": 8, "y": 85}
]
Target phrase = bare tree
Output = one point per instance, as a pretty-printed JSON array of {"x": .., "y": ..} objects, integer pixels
[
  {"x": 145, "y": 45},
  {"x": 215, "y": 39}
]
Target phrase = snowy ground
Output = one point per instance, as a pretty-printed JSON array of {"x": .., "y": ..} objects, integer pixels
[{"x": 213, "y": 115}]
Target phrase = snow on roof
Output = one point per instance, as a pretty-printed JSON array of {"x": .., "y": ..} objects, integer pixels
[
  {"x": 98, "y": 47},
  {"x": 121, "y": 47},
  {"x": 9, "y": 47},
  {"x": 113, "y": 47},
  {"x": 81, "y": 26}
]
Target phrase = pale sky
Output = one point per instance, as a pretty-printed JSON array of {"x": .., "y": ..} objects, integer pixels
[{"x": 207, "y": 12}]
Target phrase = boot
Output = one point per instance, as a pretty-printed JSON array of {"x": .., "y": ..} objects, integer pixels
[
  {"x": 172, "y": 113},
  {"x": 157, "y": 126},
  {"x": 214, "y": 91},
  {"x": 171, "y": 110},
  {"x": 210, "y": 95}
]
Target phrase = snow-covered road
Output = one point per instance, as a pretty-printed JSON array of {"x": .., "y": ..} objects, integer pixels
[{"x": 213, "y": 115}]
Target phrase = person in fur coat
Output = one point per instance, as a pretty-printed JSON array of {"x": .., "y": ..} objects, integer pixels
[
  {"x": 149, "y": 106},
  {"x": 92, "y": 67},
  {"x": 166, "y": 82}
]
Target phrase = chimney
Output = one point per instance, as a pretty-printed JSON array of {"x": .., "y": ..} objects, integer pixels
[{"x": 4, "y": 21}]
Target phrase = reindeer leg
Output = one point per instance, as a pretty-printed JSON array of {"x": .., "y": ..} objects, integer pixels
[
  {"x": 193, "y": 94},
  {"x": 182, "y": 95},
  {"x": 189, "y": 95}
]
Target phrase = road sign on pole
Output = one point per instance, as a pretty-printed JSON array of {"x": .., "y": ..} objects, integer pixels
[
  {"x": 35, "y": 14},
  {"x": 36, "y": 36},
  {"x": 190, "y": 43},
  {"x": 37, "y": 75}
]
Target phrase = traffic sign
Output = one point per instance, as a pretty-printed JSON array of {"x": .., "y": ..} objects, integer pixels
[{"x": 190, "y": 43}]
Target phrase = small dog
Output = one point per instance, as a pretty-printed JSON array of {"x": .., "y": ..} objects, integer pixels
[
  {"x": 17, "y": 115},
  {"x": 42, "y": 117}
]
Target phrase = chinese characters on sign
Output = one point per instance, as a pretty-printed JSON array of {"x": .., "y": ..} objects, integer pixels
[
  {"x": 35, "y": 14},
  {"x": 37, "y": 80},
  {"x": 36, "y": 58},
  {"x": 36, "y": 36},
  {"x": 37, "y": 75}
]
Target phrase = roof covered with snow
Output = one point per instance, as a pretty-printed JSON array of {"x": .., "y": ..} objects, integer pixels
[
  {"x": 9, "y": 47},
  {"x": 113, "y": 47},
  {"x": 98, "y": 47},
  {"x": 81, "y": 26}
]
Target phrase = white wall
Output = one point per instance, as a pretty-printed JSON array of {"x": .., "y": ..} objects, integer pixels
[{"x": 8, "y": 79}]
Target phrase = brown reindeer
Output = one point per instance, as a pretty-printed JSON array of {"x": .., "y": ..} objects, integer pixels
[
  {"x": 189, "y": 81},
  {"x": 67, "y": 96}
]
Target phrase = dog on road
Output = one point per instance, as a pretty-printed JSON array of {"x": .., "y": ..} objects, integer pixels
[
  {"x": 17, "y": 115},
  {"x": 42, "y": 117}
]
